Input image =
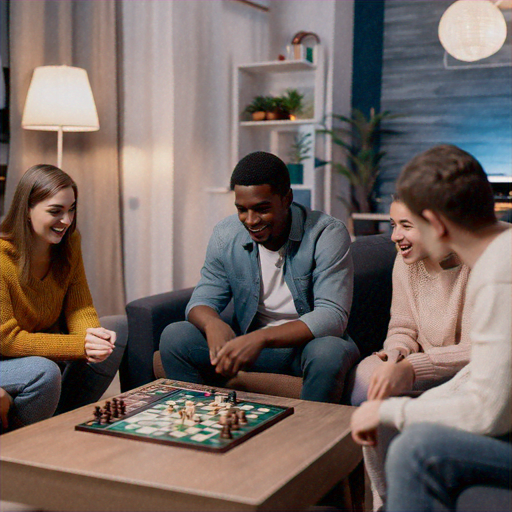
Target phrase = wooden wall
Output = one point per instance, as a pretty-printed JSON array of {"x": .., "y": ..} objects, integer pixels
[{"x": 470, "y": 108}]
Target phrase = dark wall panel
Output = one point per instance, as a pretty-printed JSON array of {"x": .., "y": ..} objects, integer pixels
[{"x": 471, "y": 108}]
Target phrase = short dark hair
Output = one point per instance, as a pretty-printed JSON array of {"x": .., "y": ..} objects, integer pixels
[
  {"x": 262, "y": 168},
  {"x": 450, "y": 181}
]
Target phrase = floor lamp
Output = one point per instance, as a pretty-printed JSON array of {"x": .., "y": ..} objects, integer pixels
[{"x": 60, "y": 99}]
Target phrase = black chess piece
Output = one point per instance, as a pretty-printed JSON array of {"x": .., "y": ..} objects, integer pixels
[
  {"x": 225, "y": 433},
  {"x": 235, "y": 425},
  {"x": 97, "y": 414},
  {"x": 232, "y": 398}
]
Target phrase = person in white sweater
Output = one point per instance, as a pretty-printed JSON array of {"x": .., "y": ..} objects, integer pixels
[
  {"x": 428, "y": 336},
  {"x": 452, "y": 203}
]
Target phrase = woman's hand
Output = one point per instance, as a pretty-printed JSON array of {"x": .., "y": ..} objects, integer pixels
[
  {"x": 5, "y": 405},
  {"x": 391, "y": 379},
  {"x": 99, "y": 344}
]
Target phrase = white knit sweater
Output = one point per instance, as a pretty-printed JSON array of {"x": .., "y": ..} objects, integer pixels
[{"x": 478, "y": 398}]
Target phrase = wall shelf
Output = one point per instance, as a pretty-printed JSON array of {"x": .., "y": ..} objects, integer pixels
[
  {"x": 273, "y": 78},
  {"x": 282, "y": 123},
  {"x": 278, "y": 66}
]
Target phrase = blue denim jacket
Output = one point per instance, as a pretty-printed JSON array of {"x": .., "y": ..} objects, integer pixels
[{"x": 317, "y": 269}]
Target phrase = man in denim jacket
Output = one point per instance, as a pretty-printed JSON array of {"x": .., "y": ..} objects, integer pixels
[{"x": 289, "y": 272}]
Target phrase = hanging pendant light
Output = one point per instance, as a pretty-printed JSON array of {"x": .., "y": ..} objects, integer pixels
[{"x": 471, "y": 30}]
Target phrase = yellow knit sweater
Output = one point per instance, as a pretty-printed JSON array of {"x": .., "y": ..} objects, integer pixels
[{"x": 30, "y": 313}]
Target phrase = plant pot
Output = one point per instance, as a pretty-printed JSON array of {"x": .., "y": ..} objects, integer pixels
[
  {"x": 296, "y": 173},
  {"x": 259, "y": 116},
  {"x": 277, "y": 114}
]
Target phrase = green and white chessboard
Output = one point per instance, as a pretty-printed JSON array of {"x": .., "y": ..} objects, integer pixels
[{"x": 153, "y": 415}]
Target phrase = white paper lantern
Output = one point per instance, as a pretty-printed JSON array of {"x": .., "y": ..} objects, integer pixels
[{"x": 471, "y": 30}]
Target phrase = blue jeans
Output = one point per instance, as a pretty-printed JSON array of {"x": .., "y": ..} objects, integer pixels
[
  {"x": 40, "y": 387},
  {"x": 34, "y": 384},
  {"x": 323, "y": 362},
  {"x": 429, "y": 464}
]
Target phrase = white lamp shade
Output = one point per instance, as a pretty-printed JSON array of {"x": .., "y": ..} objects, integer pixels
[
  {"x": 60, "y": 97},
  {"x": 471, "y": 30}
]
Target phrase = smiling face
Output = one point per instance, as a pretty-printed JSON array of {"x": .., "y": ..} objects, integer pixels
[
  {"x": 406, "y": 234},
  {"x": 265, "y": 214},
  {"x": 51, "y": 217}
]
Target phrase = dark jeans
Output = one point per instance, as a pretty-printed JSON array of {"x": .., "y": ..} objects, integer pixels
[
  {"x": 84, "y": 383},
  {"x": 323, "y": 362},
  {"x": 429, "y": 464}
]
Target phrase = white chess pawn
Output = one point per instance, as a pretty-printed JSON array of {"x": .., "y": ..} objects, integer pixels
[
  {"x": 190, "y": 409},
  {"x": 223, "y": 418}
]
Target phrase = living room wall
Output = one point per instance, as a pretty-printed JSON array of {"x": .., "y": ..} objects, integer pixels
[
  {"x": 471, "y": 108},
  {"x": 168, "y": 207}
]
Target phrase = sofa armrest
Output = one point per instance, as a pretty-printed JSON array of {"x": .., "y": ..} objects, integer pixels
[{"x": 147, "y": 318}]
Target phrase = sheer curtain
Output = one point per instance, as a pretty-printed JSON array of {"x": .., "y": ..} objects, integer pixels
[
  {"x": 147, "y": 145},
  {"x": 83, "y": 34},
  {"x": 178, "y": 60}
]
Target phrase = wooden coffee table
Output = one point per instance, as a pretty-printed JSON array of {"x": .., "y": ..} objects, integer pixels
[{"x": 289, "y": 466}]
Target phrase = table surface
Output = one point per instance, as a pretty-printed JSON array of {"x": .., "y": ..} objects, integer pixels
[{"x": 289, "y": 466}]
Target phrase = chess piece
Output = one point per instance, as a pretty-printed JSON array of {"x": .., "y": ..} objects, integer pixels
[
  {"x": 97, "y": 414},
  {"x": 242, "y": 418},
  {"x": 107, "y": 405},
  {"x": 122, "y": 407},
  {"x": 170, "y": 408},
  {"x": 232, "y": 398},
  {"x": 225, "y": 433},
  {"x": 223, "y": 419},
  {"x": 235, "y": 425},
  {"x": 190, "y": 409}
]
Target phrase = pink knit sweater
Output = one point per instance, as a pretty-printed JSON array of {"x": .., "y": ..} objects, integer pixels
[{"x": 429, "y": 324}]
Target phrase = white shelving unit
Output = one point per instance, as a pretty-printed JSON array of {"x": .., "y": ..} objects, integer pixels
[{"x": 272, "y": 79}]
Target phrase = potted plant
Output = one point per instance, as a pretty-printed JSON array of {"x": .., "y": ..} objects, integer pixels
[
  {"x": 259, "y": 107},
  {"x": 292, "y": 102},
  {"x": 277, "y": 109},
  {"x": 299, "y": 151},
  {"x": 359, "y": 138}
]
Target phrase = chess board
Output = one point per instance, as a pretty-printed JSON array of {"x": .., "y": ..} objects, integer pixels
[{"x": 153, "y": 415}]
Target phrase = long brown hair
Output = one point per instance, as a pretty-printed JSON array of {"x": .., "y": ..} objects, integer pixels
[{"x": 37, "y": 184}]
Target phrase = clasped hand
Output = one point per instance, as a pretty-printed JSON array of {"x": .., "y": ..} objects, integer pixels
[
  {"x": 99, "y": 344},
  {"x": 230, "y": 353}
]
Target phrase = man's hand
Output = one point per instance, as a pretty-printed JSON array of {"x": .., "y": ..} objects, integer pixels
[
  {"x": 5, "y": 405},
  {"x": 364, "y": 423},
  {"x": 217, "y": 333},
  {"x": 99, "y": 344},
  {"x": 238, "y": 353},
  {"x": 391, "y": 379}
]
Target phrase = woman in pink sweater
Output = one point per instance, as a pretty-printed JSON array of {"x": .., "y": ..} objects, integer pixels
[{"x": 427, "y": 341}]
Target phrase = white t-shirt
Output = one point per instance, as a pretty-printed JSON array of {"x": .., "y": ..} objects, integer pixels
[{"x": 276, "y": 302}]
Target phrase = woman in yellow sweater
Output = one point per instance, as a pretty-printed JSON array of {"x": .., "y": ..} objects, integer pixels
[{"x": 46, "y": 309}]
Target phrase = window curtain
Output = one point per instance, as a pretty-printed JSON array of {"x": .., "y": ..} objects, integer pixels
[
  {"x": 147, "y": 145},
  {"x": 76, "y": 33}
]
